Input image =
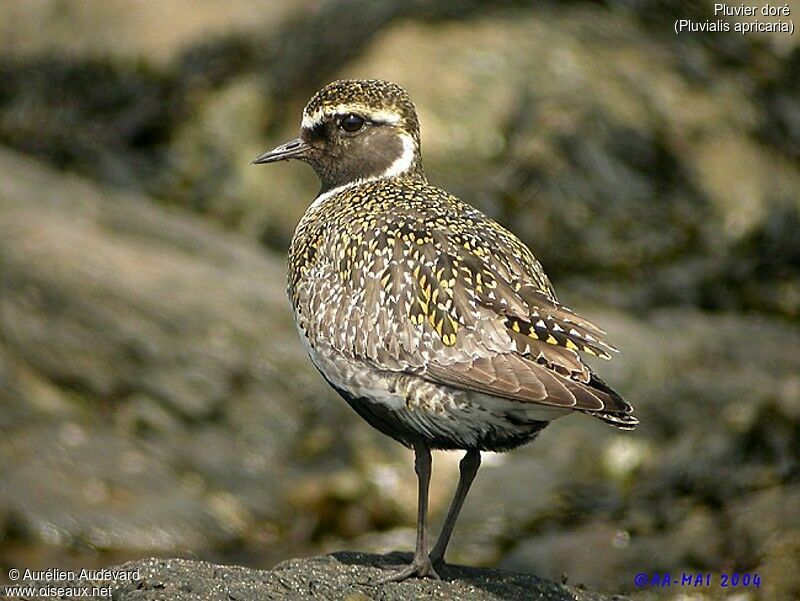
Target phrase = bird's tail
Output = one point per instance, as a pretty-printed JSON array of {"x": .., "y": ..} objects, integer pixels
[
  {"x": 621, "y": 416},
  {"x": 623, "y": 421}
]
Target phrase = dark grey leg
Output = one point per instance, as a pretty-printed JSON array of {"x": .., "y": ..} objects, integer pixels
[
  {"x": 420, "y": 566},
  {"x": 422, "y": 466},
  {"x": 467, "y": 469}
]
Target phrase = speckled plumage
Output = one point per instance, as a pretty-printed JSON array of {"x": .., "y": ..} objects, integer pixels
[
  {"x": 434, "y": 322},
  {"x": 403, "y": 281}
]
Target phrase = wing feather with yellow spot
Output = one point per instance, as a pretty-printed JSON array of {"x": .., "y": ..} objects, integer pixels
[{"x": 429, "y": 285}]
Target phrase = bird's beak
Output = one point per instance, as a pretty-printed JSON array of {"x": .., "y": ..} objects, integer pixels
[{"x": 294, "y": 149}]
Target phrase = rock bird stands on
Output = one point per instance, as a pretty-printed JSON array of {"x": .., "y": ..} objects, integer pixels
[{"x": 435, "y": 323}]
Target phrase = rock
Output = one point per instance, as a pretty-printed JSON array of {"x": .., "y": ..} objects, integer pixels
[
  {"x": 150, "y": 30},
  {"x": 762, "y": 518},
  {"x": 149, "y": 374},
  {"x": 75, "y": 484},
  {"x": 602, "y": 552},
  {"x": 339, "y": 576},
  {"x": 119, "y": 298},
  {"x": 211, "y": 172}
]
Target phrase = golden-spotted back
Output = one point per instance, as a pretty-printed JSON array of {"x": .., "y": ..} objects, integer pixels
[{"x": 403, "y": 276}]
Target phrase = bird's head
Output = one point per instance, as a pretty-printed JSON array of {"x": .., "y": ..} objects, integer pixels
[{"x": 355, "y": 130}]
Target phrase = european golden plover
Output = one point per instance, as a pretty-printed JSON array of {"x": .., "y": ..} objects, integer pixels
[{"x": 435, "y": 323}]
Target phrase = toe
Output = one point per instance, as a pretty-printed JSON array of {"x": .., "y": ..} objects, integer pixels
[{"x": 417, "y": 569}]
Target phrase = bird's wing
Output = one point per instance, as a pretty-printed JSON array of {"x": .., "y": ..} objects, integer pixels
[{"x": 446, "y": 293}]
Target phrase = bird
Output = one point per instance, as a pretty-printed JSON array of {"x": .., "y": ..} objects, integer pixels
[{"x": 435, "y": 323}]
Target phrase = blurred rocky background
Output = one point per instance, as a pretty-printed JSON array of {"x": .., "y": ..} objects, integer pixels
[{"x": 154, "y": 399}]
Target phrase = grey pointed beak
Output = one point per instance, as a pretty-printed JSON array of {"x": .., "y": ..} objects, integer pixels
[{"x": 294, "y": 149}]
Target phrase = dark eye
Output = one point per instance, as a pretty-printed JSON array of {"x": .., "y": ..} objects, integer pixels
[{"x": 351, "y": 123}]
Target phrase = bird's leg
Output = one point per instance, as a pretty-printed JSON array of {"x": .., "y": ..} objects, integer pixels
[
  {"x": 467, "y": 469},
  {"x": 420, "y": 566}
]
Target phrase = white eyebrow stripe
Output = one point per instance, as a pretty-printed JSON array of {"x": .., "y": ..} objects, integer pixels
[{"x": 310, "y": 121}]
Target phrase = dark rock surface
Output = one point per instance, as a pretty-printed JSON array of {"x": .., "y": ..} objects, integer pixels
[
  {"x": 155, "y": 400},
  {"x": 344, "y": 576},
  {"x": 147, "y": 362}
]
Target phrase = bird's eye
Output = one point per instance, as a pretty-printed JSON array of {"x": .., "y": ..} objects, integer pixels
[{"x": 351, "y": 123}]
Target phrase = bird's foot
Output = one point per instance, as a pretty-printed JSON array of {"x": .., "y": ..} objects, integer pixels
[{"x": 418, "y": 568}]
